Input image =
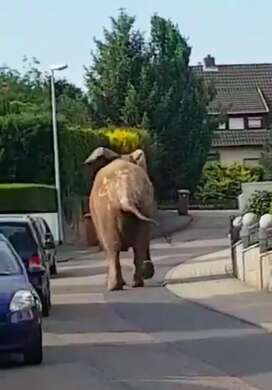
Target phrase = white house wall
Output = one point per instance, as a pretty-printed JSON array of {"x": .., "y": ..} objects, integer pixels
[{"x": 231, "y": 155}]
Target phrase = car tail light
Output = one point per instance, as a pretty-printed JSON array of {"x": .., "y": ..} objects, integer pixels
[{"x": 35, "y": 261}]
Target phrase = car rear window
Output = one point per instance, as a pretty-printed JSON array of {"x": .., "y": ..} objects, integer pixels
[
  {"x": 20, "y": 236},
  {"x": 8, "y": 263}
]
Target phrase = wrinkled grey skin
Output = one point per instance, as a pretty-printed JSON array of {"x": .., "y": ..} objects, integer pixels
[{"x": 122, "y": 205}]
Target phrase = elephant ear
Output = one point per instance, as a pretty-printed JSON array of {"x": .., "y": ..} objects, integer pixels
[
  {"x": 138, "y": 157},
  {"x": 101, "y": 154},
  {"x": 98, "y": 159}
]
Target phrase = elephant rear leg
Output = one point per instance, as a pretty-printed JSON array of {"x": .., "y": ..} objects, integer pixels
[
  {"x": 115, "y": 279},
  {"x": 148, "y": 266},
  {"x": 138, "y": 279}
]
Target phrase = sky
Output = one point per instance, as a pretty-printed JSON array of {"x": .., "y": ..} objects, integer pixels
[{"x": 62, "y": 31}]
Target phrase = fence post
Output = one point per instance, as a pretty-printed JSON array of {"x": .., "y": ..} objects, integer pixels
[{"x": 231, "y": 235}]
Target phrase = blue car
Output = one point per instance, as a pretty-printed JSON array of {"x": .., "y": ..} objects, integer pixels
[
  {"x": 21, "y": 232},
  {"x": 20, "y": 308}
]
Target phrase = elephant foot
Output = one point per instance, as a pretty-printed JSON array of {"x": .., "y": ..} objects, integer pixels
[
  {"x": 148, "y": 269},
  {"x": 115, "y": 286},
  {"x": 138, "y": 283}
]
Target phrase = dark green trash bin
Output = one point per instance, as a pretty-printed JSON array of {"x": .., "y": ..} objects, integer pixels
[{"x": 183, "y": 202}]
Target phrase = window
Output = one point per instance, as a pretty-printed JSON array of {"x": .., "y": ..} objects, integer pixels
[
  {"x": 20, "y": 237},
  {"x": 251, "y": 162},
  {"x": 8, "y": 262},
  {"x": 236, "y": 124},
  {"x": 254, "y": 123},
  {"x": 213, "y": 155}
]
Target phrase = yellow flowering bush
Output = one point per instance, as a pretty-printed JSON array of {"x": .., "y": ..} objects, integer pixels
[{"x": 125, "y": 140}]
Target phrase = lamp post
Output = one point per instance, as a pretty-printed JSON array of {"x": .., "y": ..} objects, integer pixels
[{"x": 54, "y": 68}]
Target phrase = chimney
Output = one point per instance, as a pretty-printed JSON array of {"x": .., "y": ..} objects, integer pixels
[{"x": 209, "y": 63}]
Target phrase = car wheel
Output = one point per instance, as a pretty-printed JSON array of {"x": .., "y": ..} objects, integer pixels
[
  {"x": 53, "y": 268},
  {"x": 33, "y": 354}
]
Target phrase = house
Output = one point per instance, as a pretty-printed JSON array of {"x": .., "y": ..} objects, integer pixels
[{"x": 242, "y": 104}]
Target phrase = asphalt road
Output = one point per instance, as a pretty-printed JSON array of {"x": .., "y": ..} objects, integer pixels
[{"x": 144, "y": 338}]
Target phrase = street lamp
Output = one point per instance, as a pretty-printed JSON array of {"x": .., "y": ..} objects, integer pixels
[{"x": 54, "y": 68}]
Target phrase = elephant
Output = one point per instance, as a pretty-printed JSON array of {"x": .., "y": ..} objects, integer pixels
[{"x": 121, "y": 204}]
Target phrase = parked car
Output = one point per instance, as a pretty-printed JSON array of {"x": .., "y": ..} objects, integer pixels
[
  {"x": 20, "y": 231},
  {"x": 20, "y": 308},
  {"x": 47, "y": 240}
]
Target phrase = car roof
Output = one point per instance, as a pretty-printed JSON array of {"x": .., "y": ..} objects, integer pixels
[
  {"x": 14, "y": 218},
  {"x": 38, "y": 218}
]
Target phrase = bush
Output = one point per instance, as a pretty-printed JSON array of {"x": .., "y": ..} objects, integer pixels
[
  {"x": 126, "y": 140},
  {"x": 121, "y": 140},
  {"x": 259, "y": 203},
  {"x": 27, "y": 198},
  {"x": 219, "y": 182}
]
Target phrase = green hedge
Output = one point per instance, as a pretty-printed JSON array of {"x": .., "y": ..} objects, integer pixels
[
  {"x": 223, "y": 182},
  {"x": 27, "y": 198},
  {"x": 26, "y": 150},
  {"x": 259, "y": 203}
]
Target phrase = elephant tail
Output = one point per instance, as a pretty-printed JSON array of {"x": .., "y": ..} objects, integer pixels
[{"x": 133, "y": 210}]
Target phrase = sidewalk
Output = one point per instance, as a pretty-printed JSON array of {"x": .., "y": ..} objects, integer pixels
[
  {"x": 208, "y": 281},
  {"x": 170, "y": 223}
]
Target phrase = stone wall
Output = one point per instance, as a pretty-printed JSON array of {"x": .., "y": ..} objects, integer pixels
[{"x": 252, "y": 261}]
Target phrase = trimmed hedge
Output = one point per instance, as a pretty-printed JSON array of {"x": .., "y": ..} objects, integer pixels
[
  {"x": 26, "y": 150},
  {"x": 259, "y": 203},
  {"x": 27, "y": 198}
]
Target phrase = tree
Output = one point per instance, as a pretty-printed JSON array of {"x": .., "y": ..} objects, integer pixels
[
  {"x": 149, "y": 83},
  {"x": 26, "y": 141},
  {"x": 114, "y": 77},
  {"x": 177, "y": 108},
  {"x": 30, "y": 92},
  {"x": 266, "y": 157}
]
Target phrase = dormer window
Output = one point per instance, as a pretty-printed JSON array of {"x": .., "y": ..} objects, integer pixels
[{"x": 254, "y": 122}]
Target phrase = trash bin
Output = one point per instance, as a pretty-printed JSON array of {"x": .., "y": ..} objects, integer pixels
[
  {"x": 91, "y": 237},
  {"x": 183, "y": 202}
]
